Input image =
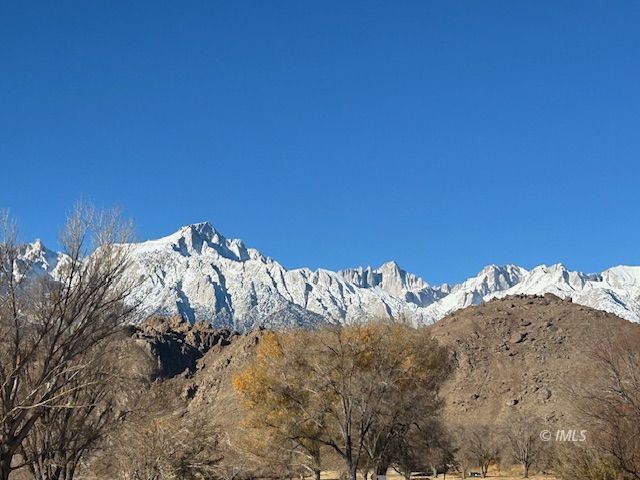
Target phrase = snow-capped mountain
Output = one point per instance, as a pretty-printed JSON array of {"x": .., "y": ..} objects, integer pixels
[
  {"x": 475, "y": 290},
  {"x": 37, "y": 259},
  {"x": 201, "y": 275},
  {"x": 616, "y": 290},
  {"x": 392, "y": 279}
]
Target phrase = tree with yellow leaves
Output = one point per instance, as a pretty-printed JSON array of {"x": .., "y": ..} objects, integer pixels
[{"x": 351, "y": 389}]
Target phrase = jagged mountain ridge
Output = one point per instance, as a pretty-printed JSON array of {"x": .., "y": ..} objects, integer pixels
[
  {"x": 400, "y": 283},
  {"x": 201, "y": 275}
]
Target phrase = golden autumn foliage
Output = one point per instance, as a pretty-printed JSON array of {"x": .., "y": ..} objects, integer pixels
[{"x": 351, "y": 390}]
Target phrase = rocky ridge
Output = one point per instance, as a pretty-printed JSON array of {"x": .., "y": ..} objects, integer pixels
[{"x": 200, "y": 275}]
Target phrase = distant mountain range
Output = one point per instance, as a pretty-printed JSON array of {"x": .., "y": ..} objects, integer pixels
[{"x": 201, "y": 275}]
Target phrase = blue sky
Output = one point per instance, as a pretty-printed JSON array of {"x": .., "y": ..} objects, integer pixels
[{"x": 444, "y": 135}]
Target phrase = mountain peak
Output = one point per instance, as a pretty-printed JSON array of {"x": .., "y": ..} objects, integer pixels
[
  {"x": 391, "y": 272},
  {"x": 199, "y": 273},
  {"x": 509, "y": 267},
  {"x": 37, "y": 249},
  {"x": 204, "y": 229},
  {"x": 196, "y": 238},
  {"x": 194, "y": 233},
  {"x": 391, "y": 264}
]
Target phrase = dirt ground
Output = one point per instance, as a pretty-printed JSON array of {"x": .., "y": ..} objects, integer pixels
[
  {"x": 504, "y": 476},
  {"x": 392, "y": 475}
]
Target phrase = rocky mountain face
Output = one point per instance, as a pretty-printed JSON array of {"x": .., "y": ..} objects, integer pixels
[
  {"x": 175, "y": 345},
  {"x": 392, "y": 279},
  {"x": 199, "y": 274}
]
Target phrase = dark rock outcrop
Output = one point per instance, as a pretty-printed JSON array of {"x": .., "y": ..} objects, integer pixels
[{"x": 177, "y": 345}]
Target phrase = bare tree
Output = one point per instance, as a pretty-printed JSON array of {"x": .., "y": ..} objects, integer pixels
[
  {"x": 584, "y": 462},
  {"x": 478, "y": 444},
  {"x": 50, "y": 326},
  {"x": 610, "y": 404},
  {"x": 161, "y": 440},
  {"x": 523, "y": 436},
  {"x": 65, "y": 437},
  {"x": 423, "y": 445}
]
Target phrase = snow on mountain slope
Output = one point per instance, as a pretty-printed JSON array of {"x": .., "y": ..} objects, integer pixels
[
  {"x": 36, "y": 259},
  {"x": 201, "y": 275},
  {"x": 623, "y": 277},
  {"x": 391, "y": 278},
  {"x": 475, "y": 290},
  {"x": 616, "y": 290}
]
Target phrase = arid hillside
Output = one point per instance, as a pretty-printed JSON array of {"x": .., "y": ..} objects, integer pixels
[
  {"x": 523, "y": 353},
  {"x": 519, "y": 355}
]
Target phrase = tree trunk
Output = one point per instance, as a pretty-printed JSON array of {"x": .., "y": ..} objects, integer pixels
[
  {"x": 70, "y": 470},
  {"x": 352, "y": 470},
  {"x": 316, "y": 474},
  {"x": 381, "y": 470},
  {"x": 5, "y": 465},
  {"x": 525, "y": 470}
]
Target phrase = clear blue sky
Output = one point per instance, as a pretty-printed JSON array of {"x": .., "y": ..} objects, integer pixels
[{"x": 445, "y": 135}]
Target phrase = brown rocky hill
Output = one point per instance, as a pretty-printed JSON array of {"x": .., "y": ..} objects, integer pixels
[{"x": 524, "y": 353}]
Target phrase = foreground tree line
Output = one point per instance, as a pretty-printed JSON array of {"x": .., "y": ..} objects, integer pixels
[
  {"x": 78, "y": 398},
  {"x": 366, "y": 398}
]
